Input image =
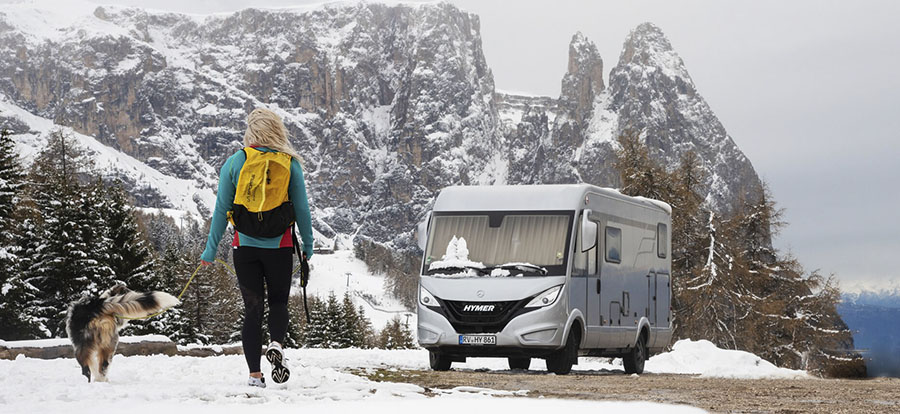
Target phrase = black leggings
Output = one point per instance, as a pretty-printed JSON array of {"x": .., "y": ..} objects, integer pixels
[{"x": 256, "y": 267}]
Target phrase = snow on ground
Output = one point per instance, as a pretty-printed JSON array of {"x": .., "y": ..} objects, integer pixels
[
  {"x": 704, "y": 358},
  {"x": 149, "y": 384},
  {"x": 341, "y": 272},
  {"x": 154, "y": 384},
  {"x": 687, "y": 357}
]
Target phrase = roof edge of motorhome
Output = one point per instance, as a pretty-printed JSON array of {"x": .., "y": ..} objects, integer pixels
[{"x": 530, "y": 197}]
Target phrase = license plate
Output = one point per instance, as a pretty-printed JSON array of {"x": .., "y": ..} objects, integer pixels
[{"x": 478, "y": 339}]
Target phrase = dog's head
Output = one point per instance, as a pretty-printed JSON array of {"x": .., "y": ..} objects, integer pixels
[{"x": 118, "y": 289}]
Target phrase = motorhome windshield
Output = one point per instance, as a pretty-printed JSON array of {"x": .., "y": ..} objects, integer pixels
[{"x": 498, "y": 243}]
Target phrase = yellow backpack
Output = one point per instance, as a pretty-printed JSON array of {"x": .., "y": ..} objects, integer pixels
[{"x": 262, "y": 207}]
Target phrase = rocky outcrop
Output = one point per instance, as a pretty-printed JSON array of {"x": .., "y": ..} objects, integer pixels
[
  {"x": 652, "y": 92},
  {"x": 649, "y": 92},
  {"x": 583, "y": 80}
]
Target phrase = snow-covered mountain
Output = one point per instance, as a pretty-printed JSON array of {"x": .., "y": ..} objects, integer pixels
[
  {"x": 885, "y": 297},
  {"x": 650, "y": 91},
  {"x": 387, "y": 104}
]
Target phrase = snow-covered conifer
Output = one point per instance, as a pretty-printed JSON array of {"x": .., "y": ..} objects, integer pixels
[
  {"x": 69, "y": 248},
  {"x": 18, "y": 319},
  {"x": 396, "y": 335}
]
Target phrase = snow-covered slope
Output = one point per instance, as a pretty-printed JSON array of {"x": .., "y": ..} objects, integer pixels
[
  {"x": 183, "y": 195},
  {"x": 341, "y": 273}
]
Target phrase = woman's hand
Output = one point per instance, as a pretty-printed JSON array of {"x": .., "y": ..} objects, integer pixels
[{"x": 205, "y": 263}]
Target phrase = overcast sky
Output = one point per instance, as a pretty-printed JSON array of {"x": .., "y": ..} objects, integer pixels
[{"x": 809, "y": 91}]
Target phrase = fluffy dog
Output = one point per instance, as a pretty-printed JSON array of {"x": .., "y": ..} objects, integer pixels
[{"x": 93, "y": 324}]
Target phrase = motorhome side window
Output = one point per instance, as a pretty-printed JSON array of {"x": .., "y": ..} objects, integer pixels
[
  {"x": 662, "y": 236},
  {"x": 613, "y": 245},
  {"x": 585, "y": 262}
]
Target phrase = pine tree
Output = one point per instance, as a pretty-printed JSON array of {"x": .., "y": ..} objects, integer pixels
[
  {"x": 70, "y": 250},
  {"x": 797, "y": 315},
  {"x": 297, "y": 323},
  {"x": 130, "y": 256},
  {"x": 712, "y": 300},
  {"x": 758, "y": 221},
  {"x": 639, "y": 174},
  {"x": 336, "y": 324},
  {"x": 12, "y": 179},
  {"x": 314, "y": 334},
  {"x": 17, "y": 319},
  {"x": 729, "y": 285},
  {"x": 160, "y": 231},
  {"x": 367, "y": 333},
  {"x": 395, "y": 335},
  {"x": 334, "y": 334},
  {"x": 351, "y": 322},
  {"x": 689, "y": 216}
]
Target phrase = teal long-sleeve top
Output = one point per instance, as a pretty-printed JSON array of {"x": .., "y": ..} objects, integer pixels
[{"x": 228, "y": 179}]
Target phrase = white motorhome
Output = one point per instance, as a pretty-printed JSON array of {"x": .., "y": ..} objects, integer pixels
[{"x": 545, "y": 271}]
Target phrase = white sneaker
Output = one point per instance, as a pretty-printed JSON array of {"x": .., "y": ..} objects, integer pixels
[
  {"x": 257, "y": 382},
  {"x": 280, "y": 371}
]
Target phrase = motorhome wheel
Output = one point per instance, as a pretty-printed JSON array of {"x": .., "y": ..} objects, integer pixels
[
  {"x": 519, "y": 363},
  {"x": 634, "y": 361},
  {"x": 560, "y": 363},
  {"x": 438, "y": 361}
]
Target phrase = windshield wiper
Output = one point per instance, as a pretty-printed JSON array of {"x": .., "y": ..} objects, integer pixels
[
  {"x": 458, "y": 268},
  {"x": 522, "y": 267}
]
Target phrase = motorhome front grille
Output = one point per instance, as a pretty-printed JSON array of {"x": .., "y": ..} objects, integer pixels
[{"x": 481, "y": 317}]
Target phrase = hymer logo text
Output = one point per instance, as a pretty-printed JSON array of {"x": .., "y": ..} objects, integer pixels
[{"x": 478, "y": 308}]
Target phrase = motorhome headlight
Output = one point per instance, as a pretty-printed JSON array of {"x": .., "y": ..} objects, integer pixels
[
  {"x": 546, "y": 298},
  {"x": 426, "y": 298}
]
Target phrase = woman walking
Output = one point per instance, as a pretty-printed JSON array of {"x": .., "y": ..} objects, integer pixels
[{"x": 268, "y": 173}]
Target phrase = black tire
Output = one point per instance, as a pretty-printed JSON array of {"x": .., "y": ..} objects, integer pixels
[
  {"x": 519, "y": 363},
  {"x": 634, "y": 361},
  {"x": 438, "y": 361},
  {"x": 560, "y": 363}
]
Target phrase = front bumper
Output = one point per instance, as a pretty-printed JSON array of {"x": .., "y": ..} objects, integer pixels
[{"x": 534, "y": 333}]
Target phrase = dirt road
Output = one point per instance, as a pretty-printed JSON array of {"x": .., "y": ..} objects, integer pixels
[{"x": 877, "y": 395}]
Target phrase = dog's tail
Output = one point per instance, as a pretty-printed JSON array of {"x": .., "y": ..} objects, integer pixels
[{"x": 138, "y": 305}]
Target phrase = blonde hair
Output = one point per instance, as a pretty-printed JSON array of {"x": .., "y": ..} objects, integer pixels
[{"x": 265, "y": 129}]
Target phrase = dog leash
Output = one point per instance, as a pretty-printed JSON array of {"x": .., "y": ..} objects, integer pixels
[{"x": 230, "y": 270}]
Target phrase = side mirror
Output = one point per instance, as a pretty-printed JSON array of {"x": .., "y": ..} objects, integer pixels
[
  {"x": 422, "y": 231},
  {"x": 588, "y": 232}
]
